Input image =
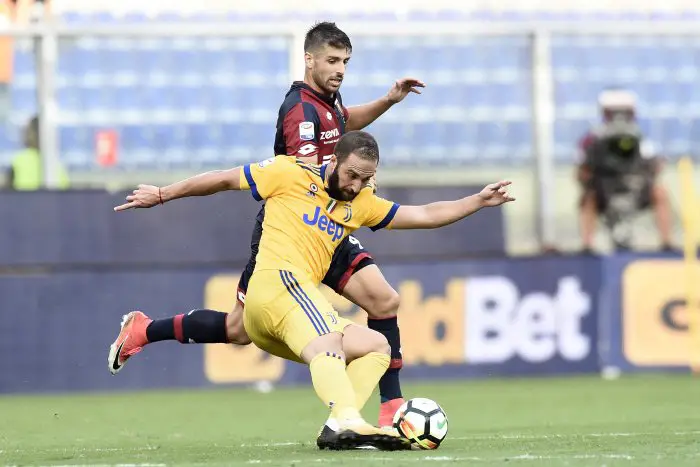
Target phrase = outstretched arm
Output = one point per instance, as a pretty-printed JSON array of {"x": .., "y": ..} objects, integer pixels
[
  {"x": 360, "y": 116},
  {"x": 441, "y": 213},
  {"x": 208, "y": 183}
]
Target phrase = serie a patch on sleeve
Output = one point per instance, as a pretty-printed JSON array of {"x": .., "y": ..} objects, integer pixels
[
  {"x": 306, "y": 131},
  {"x": 269, "y": 161}
]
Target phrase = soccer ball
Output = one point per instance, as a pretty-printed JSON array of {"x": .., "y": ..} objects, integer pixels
[{"x": 423, "y": 422}]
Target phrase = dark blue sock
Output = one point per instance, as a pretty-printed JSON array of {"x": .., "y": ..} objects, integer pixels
[
  {"x": 389, "y": 385},
  {"x": 161, "y": 330},
  {"x": 196, "y": 327}
]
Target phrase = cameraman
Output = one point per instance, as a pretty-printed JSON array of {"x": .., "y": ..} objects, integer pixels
[{"x": 618, "y": 173}]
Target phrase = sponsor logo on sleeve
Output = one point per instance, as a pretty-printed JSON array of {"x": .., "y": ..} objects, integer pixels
[
  {"x": 306, "y": 131},
  {"x": 266, "y": 162}
]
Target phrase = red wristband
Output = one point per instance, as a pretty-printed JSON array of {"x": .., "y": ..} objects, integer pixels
[{"x": 160, "y": 196}]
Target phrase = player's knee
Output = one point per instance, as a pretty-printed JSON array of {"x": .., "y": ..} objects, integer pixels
[
  {"x": 386, "y": 305},
  {"x": 235, "y": 331},
  {"x": 330, "y": 344},
  {"x": 359, "y": 341},
  {"x": 380, "y": 344}
]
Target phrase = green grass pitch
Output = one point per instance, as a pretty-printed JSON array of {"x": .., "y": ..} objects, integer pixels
[{"x": 582, "y": 421}]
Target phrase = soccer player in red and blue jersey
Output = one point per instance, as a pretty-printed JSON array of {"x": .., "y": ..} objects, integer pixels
[{"x": 311, "y": 120}]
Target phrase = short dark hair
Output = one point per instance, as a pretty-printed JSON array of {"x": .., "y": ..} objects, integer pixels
[
  {"x": 326, "y": 33},
  {"x": 360, "y": 143}
]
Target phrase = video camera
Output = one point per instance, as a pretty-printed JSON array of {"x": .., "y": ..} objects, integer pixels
[{"x": 616, "y": 148}]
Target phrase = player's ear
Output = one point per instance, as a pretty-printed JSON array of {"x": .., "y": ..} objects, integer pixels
[{"x": 308, "y": 60}]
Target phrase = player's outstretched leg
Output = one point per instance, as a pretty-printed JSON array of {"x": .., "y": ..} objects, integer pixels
[
  {"x": 369, "y": 289},
  {"x": 138, "y": 330}
]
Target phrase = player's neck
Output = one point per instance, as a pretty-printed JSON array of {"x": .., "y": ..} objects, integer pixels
[{"x": 326, "y": 171}]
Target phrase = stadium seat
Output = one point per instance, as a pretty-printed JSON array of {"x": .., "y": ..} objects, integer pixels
[
  {"x": 24, "y": 99},
  {"x": 134, "y": 138},
  {"x": 76, "y": 145}
]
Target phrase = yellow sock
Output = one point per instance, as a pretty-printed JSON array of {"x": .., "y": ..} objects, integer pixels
[
  {"x": 333, "y": 386},
  {"x": 365, "y": 373}
]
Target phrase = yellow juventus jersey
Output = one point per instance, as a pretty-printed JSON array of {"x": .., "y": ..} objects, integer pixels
[{"x": 303, "y": 225}]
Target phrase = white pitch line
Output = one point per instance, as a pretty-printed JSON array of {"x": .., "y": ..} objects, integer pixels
[
  {"x": 271, "y": 445},
  {"x": 84, "y": 450},
  {"x": 569, "y": 435},
  {"x": 513, "y": 436},
  {"x": 530, "y": 457},
  {"x": 104, "y": 465},
  {"x": 522, "y": 457}
]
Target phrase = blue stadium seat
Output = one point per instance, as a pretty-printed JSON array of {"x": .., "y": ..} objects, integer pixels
[
  {"x": 686, "y": 92},
  {"x": 694, "y": 133},
  {"x": 675, "y": 132},
  {"x": 70, "y": 59},
  {"x": 661, "y": 93},
  {"x": 674, "y": 57},
  {"x": 508, "y": 52},
  {"x": 102, "y": 17},
  {"x": 70, "y": 139},
  {"x": 247, "y": 59},
  {"x": 231, "y": 135},
  {"x": 200, "y": 135},
  {"x": 135, "y": 17},
  {"x": 456, "y": 134},
  {"x": 133, "y": 138},
  {"x": 370, "y": 16},
  {"x": 519, "y": 133},
  {"x": 431, "y": 98},
  {"x": 183, "y": 98},
  {"x": 477, "y": 95},
  {"x": 76, "y": 146},
  {"x": 24, "y": 61},
  {"x": 73, "y": 17},
  {"x": 124, "y": 98},
  {"x": 23, "y": 99},
  {"x": 567, "y": 135},
  {"x": 249, "y": 134},
  {"x": 171, "y": 17},
  {"x": 428, "y": 134},
  {"x": 164, "y": 135},
  {"x": 68, "y": 99}
]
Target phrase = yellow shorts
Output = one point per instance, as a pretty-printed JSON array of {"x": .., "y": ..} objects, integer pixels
[{"x": 284, "y": 312}]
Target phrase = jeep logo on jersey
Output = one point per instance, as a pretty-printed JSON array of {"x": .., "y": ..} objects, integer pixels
[
  {"x": 324, "y": 224},
  {"x": 306, "y": 131},
  {"x": 334, "y": 133}
]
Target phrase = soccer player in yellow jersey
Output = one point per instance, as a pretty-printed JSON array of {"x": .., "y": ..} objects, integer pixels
[{"x": 309, "y": 210}]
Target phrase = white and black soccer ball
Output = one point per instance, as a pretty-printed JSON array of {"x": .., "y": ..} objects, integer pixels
[{"x": 421, "y": 421}]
